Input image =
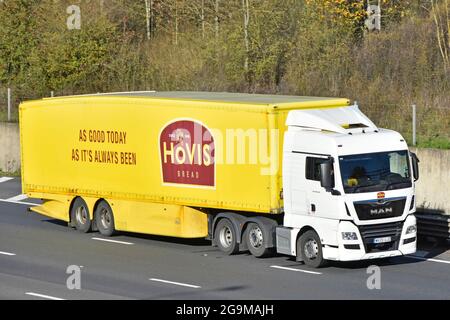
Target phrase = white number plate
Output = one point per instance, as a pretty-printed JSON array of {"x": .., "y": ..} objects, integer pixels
[{"x": 382, "y": 240}]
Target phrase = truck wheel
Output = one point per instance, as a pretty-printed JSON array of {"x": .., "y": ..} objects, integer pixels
[
  {"x": 79, "y": 215},
  {"x": 104, "y": 219},
  {"x": 225, "y": 237},
  {"x": 311, "y": 249},
  {"x": 254, "y": 237}
]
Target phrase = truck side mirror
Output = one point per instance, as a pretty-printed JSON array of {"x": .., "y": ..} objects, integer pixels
[
  {"x": 326, "y": 175},
  {"x": 415, "y": 166}
]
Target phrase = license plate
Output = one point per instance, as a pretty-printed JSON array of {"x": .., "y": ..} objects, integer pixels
[{"x": 382, "y": 240}]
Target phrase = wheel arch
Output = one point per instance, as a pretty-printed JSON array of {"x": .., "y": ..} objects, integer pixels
[
  {"x": 268, "y": 224},
  {"x": 303, "y": 230},
  {"x": 94, "y": 208},
  {"x": 240, "y": 224},
  {"x": 236, "y": 220},
  {"x": 72, "y": 202},
  {"x": 91, "y": 205},
  {"x": 299, "y": 234},
  {"x": 70, "y": 210}
]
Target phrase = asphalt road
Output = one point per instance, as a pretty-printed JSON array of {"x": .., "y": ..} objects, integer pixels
[{"x": 35, "y": 252}]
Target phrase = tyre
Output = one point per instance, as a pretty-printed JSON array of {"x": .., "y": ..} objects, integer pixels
[
  {"x": 310, "y": 247},
  {"x": 255, "y": 237},
  {"x": 79, "y": 216},
  {"x": 104, "y": 219},
  {"x": 225, "y": 237}
]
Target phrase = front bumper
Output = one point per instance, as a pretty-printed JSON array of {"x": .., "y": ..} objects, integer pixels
[{"x": 363, "y": 247}]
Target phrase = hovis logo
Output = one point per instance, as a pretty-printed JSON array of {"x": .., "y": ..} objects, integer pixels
[{"x": 187, "y": 154}]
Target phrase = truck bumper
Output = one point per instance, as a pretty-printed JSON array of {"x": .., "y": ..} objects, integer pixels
[{"x": 364, "y": 247}]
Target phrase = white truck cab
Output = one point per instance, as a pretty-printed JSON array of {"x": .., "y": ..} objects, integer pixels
[{"x": 348, "y": 188}]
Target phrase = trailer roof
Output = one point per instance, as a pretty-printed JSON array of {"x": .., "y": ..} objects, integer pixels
[
  {"x": 221, "y": 96},
  {"x": 250, "y": 98},
  {"x": 255, "y": 102}
]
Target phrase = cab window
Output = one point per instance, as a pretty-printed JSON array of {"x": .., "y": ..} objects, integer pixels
[{"x": 313, "y": 168}]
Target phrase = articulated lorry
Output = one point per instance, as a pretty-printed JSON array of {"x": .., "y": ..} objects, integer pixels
[{"x": 308, "y": 177}]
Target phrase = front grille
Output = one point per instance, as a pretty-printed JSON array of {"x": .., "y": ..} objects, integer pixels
[
  {"x": 376, "y": 231},
  {"x": 380, "y": 209}
]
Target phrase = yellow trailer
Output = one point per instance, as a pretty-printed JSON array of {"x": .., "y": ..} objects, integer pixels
[{"x": 156, "y": 162}]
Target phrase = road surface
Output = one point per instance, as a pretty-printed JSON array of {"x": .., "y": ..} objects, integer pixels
[{"x": 35, "y": 252}]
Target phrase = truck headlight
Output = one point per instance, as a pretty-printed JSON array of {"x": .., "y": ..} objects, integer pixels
[
  {"x": 349, "y": 236},
  {"x": 411, "y": 229}
]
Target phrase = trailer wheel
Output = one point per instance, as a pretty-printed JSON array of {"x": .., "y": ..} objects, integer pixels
[
  {"x": 79, "y": 216},
  {"x": 311, "y": 249},
  {"x": 255, "y": 238},
  {"x": 104, "y": 219},
  {"x": 225, "y": 237}
]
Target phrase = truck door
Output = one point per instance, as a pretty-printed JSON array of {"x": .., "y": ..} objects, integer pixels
[
  {"x": 319, "y": 202},
  {"x": 299, "y": 204}
]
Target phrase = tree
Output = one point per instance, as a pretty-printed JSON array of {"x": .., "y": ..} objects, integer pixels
[
  {"x": 17, "y": 38},
  {"x": 72, "y": 60},
  {"x": 441, "y": 18}
]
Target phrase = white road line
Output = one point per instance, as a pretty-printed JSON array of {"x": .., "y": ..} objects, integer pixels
[
  {"x": 42, "y": 296},
  {"x": 176, "y": 283},
  {"x": 428, "y": 259},
  {"x": 298, "y": 270},
  {"x": 20, "y": 197},
  {"x": 113, "y": 241},
  {"x": 7, "y": 253},
  {"x": 20, "y": 202},
  {"x": 4, "y": 179}
]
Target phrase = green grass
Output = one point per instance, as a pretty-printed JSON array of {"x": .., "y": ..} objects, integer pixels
[
  {"x": 436, "y": 143},
  {"x": 9, "y": 174},
  {"x": 4, "y": 116}
]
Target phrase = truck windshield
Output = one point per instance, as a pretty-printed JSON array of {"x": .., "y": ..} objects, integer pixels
[{"x": 375, "y": 171}]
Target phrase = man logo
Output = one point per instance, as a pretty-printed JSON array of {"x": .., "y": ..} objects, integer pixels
[
  {"x": 381, "y": 211},
  {"x": 187, "y": 154}
]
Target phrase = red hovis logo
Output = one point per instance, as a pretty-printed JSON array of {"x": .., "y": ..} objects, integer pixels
[
  {"x": 380, "y": 195},
  {"x": 187, "y": 154}
]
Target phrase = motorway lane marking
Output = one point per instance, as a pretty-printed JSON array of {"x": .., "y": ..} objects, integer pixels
[
  {"x": 293, "y": 269},
  {"x": 20, "y": 202},
  {"x": 176, "y": 283},
  {"x": 427, "y": 259},
  {"x": 7, "y": 253},
  {"x": 4, "y": 179},
  {"x": 20, "y": 197},
  {"x": 42, "y": 296},
  {"x": 113, "y": 241}
]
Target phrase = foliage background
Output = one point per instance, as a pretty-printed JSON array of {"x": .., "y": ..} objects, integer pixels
[{"x": 301, "y": 47}]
